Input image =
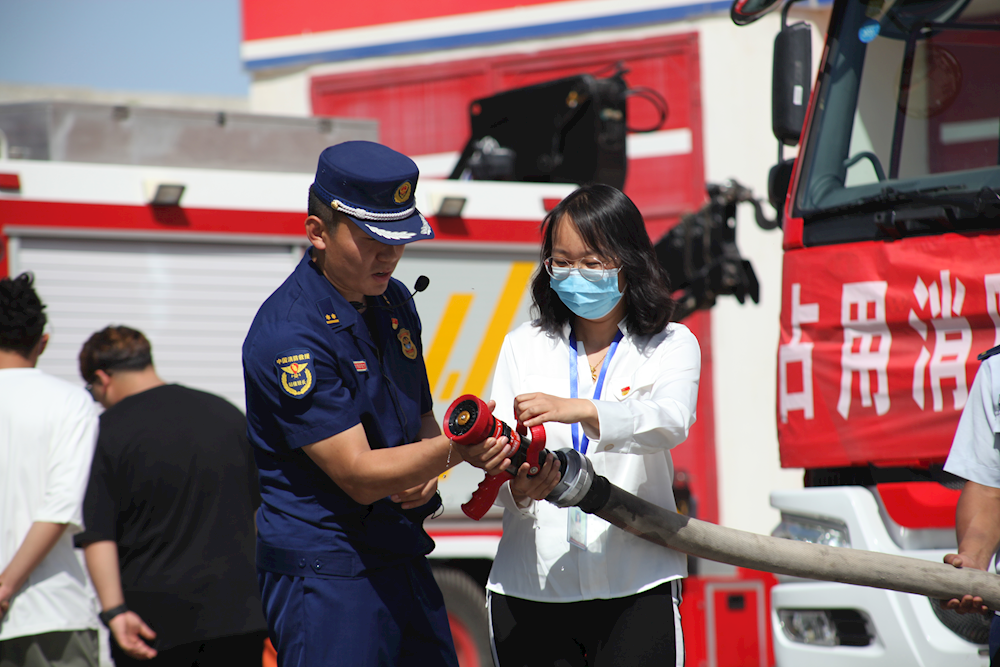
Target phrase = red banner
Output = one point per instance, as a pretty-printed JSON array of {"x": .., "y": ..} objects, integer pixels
[{"x": 878, "y": 347}]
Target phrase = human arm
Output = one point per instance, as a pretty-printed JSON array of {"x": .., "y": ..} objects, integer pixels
[
  {"x": 127, "y": 627},
  {"x": 524, "y": 487},
  {"x": 649, "y": 405},
  {"x": 70, "y": 451},
  {"x": 422, "y": 493},
  {"x": 537, "y": 408},
  {"x": 367, "y": 474},
  {"x": 973, "y": 456},
  {"x": 37, "y": 544},
  {"x": 977, "y": 525},
  {"x": 648, "y": 401}
]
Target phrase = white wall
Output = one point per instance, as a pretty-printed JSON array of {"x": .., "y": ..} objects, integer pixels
[
  {"x": 736, "y": 78},
  {"x": 286, "y": 93}
]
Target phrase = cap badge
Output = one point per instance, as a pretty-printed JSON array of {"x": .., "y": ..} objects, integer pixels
[
  {"x": 409, "y": 349},
  {"x": 296, "y": 376},
  {"x": 403, "y": 192}
]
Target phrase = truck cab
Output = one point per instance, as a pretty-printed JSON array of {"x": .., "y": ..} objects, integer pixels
[{"x": 891, "y": 277}]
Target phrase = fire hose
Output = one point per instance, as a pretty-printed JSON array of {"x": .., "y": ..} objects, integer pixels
[{"x": 468, "y": 421}]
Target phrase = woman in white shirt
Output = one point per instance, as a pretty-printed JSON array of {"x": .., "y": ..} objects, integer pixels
[{"x": 608, "y": 374}]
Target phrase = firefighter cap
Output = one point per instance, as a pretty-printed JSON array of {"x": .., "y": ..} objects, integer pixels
[{"x": 374, "y": 186}]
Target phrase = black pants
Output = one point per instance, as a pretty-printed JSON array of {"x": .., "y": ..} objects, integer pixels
[
  {"x": 636, "y": 630},
  {"x": 237, "y": 651}
]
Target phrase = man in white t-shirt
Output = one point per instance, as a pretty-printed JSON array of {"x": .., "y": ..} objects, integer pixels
[
  {"x": 975, "y": 456},
  {"x": 48, "y": 430}
]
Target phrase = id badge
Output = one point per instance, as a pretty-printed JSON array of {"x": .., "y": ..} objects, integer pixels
[{"x": 576, "y": 528}]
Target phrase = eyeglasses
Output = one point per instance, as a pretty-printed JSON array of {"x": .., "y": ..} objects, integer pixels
[{"x": 590, "y": 268}]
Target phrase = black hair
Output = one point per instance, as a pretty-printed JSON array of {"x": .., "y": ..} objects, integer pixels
[
  {"x": 323, "y": 210},
  {"x": 612, "y": 226},
  {"x": 22, "y": 320},
  {"x": 115, "y": 348}
]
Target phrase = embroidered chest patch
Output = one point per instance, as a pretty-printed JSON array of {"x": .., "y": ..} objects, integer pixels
[{"x": 295, "y": 368}]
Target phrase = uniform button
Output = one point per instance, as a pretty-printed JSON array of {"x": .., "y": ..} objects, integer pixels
[
  {"x": 608, "y": 448},
  {"x": 302, "y": 562},
  {"x": 317, "y": 564}
]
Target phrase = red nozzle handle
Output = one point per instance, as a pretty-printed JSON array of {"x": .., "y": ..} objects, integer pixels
[
  {"x": 483, "y": 497},
  {"x": 533, "y": 451}
]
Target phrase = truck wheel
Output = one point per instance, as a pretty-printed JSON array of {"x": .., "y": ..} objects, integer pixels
[{"x": 465, "y": 601}]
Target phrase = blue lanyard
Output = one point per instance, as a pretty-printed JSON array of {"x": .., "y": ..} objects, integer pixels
[{"x": 578, "y": 444}]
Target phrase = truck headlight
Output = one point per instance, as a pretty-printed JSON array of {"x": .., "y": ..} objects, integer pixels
[
  {"x": 826, "y": 627},
  {"x": 808, "y": 627},
  {"x": 816, "y": 531}
]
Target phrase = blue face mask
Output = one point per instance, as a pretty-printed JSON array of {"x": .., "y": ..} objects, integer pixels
[{"x": 589, "y": 300}]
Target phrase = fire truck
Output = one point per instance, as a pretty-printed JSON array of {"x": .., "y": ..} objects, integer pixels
[{"x": 891, "y": 279}]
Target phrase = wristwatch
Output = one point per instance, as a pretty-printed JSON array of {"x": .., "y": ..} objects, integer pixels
[{"x": 106, "y": 616}]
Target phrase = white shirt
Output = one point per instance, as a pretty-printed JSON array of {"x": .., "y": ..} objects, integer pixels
[
  {"x": 646, "y": 408},
  {"x": 975, "y": 451},
  {"x": 48, "y": 431}
]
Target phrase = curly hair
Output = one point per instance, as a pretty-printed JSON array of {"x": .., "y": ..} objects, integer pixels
[
  {"x": 115, "y": 348},
  {"x": 612, "y": 226},
  {"x": 22, "y": 320}
]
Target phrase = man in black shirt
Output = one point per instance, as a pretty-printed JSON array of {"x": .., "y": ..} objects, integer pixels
[{"x": 169, "y": 537}]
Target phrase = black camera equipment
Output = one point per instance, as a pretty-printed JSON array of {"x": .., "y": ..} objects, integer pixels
[
  {"x": 570, "y": 130},
  {"x": 700, "y": 253}
]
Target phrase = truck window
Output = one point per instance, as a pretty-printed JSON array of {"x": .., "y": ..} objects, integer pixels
[{"x": 907, "y": 121}]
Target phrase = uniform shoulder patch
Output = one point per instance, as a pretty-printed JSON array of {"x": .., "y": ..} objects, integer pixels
[
  {"x": 989, "y": 353},
  {"x": 296, "y": 372}
]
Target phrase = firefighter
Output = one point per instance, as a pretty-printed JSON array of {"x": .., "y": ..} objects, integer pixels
[{"x": 349, "y": 452}]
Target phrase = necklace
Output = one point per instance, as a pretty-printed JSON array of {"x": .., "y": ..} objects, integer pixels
[{"x": 593, "y": 369}]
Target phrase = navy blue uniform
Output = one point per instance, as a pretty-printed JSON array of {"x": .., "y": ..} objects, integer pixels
[{"x": 342, "y": 583}]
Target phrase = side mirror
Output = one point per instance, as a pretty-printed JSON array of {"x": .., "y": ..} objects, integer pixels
[
  {"x": 778, "y": 180},
  {"x": 745, "y": 12},
  {"x": 791, "y": 82}
]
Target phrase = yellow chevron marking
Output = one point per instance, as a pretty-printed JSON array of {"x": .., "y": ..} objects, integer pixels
[
  {"x": 503, "y": 317},
  {"x": 444, "y": 338},
  {"x": 449, "y": 386}
]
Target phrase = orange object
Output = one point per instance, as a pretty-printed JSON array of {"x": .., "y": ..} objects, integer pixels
[{"x": 270, "y": 655}]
